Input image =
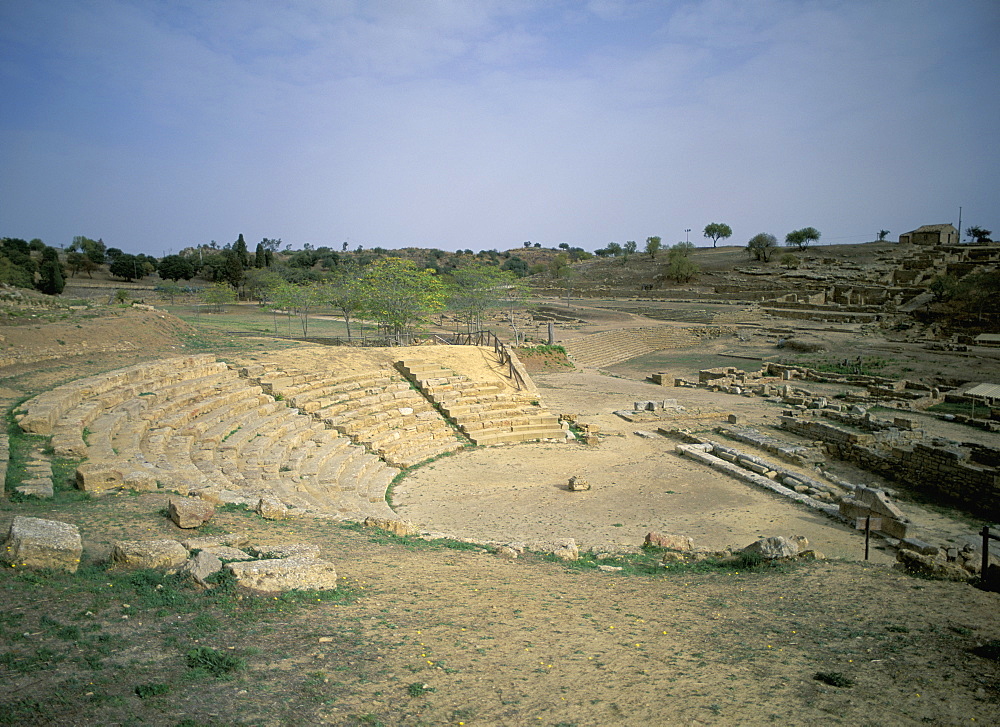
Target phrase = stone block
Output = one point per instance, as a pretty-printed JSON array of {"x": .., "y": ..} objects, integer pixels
[
  {"x": 36, "y": 543},
  {"x": 299, "y": 573},
  {"x": 158, "y": 554},
  {"x": 777, "y": 546},
  {"x": 401, "y": 528},
  {"x": 190, "y": 512},
  {"x": 271, "y": 508},
  {"x": 577, "y": 484},
  {"x": 566, "y": 549},
  {"x": 202, "y": 566},
  {"x": 668, "y": 541},
  {"x": 287, "y": 550}
]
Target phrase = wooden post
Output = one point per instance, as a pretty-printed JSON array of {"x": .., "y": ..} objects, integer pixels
[{"x": 868, "y": 533}]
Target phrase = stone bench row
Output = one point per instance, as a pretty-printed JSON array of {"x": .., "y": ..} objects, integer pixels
[
  {"x": 377, "y": 409},
  {"x": 203, "y": 428},
  {"x": 482, "y": 410},
  {"x": 40, "y": 414}
]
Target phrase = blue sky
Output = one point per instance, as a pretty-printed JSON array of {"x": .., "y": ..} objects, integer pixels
[{"x": 484, "y": 123}]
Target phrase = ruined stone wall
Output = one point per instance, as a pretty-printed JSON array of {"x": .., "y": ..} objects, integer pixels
[{"x": 968, "y": 475}]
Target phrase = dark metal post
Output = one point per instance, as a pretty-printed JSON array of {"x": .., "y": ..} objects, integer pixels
[
  {"x": 868, "y": 532},
  {"x": 984, "y": 573}
]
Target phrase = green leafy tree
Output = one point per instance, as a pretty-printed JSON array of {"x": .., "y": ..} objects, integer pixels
[
  {"x": 17, "y": 267},
  {"x": 802, "y": 238},
  {"x": 515, "y": 265},
  {"x": 260, "y": 256},
  {"x": 175, "y": 267},
  {"x": 218, "y": 295},
  {"x": 170, "y": 289},
  {"x": 345, "y": 293},
  {"x": 399, "y": 296},
  {"x": 628, "y": 248},
  {"x": 50, "y": 275},
  {"x": 716, "y": 231},
  {"x": 680, "y": 266},
  {"x": 232, "y": 268},
  {"x": 761, "y": 246},
  {"x": 259, "y": 283},
  {"x": 882, "y": 234},
  {"x": 300, "y": 299},
  {"x": 94, "y": 249},
  {"x": 614, "y": 249},
  {"x": 479, "y": 290},
  {"x": 78, "y": 261},
  {"x": 240, "y": 249},
  {"x": 943, "y": 287},
  {"x": 653, "y": 245},
  {"x": 788, "y": 260},
  {"x": 126, "y": 266}
]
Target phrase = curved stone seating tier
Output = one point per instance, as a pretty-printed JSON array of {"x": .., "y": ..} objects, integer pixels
[
  {"x": 485, "y": 413},
  {"x": 195, "y": 425},
  {"x": 611, "y": 347},
  {"x": 376, "y": 408}
]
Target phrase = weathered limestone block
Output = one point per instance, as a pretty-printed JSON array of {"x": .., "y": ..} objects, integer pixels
[
  {"x": 931, "y": 566},
  {"x": 234, "y": 540},
  {"x": 38, "y": 487},
  {"x": 163, "y": 554},
  {"x": 202, "y": 566},
  {"x": 300, "y": 573},
  {"x": 401, "y": 528},
  {"x": 271, "y": 508},
  {"x": 777, "y": 546},
  {"x": 577, "y": 484},
  {"x": 287, "y": 550},
  {"x": 102, "y": 476},
  {"x": 190, "y": 512},
  {"x": 507, "y": 552},
  {"x": 566, "y": 549},
  {"x": 224, "y": 551},
  {"x": 671, "y": 542},
  {"x": 36, "y": 543}
]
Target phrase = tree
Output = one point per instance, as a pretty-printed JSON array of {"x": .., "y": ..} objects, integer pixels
[
  {"x": 978, "y": 234},
  {"x": 882, "y": 234},
  {"x": 399, "y": 296},
  {"x": 259, "y": 283},
  {"x": 232, "y": 268},
  {"x": 50, "y": 281},
  {"x": 93, "y": 249},
  {"x": 126, "y": 266},
  {"x": 789, "y": 261},
  {"x": 170, "y": 289},
  {"x": 515, "y": 265},
  {"x": 17, "y": 267},
  {"x": 218, "y": 295},
  {"x": 260, "y": 256},
  {"x": 78, "y": 261},
  {"x": 653, "y": 245},
  {"x": 943, "y": 287},
  {"x": 680, "y": 266},
  {"x": 716, "y": 231},
  {"x": 559, "y": 265},
  {"x": 175, "y": 267},
  {"x": 761, "y": 246},
  {"x": 344, "y": 294},
  {"x": 614, "y": 249},
  {"x": 628, "y": 248},
  {"x": 240, "y": 248},
  {"x": 802, "y": 238},
  {"x": 479, "y": 290}
]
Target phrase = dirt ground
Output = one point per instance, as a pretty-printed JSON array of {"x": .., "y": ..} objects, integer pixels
[{"x": 444, "y": 633}]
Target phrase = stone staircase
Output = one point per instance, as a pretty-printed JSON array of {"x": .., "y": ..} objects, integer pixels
[
  {"x": 611, "y": 347},
  {"x": 376, "y": 408},
  {"x": 484, "y": 412}
]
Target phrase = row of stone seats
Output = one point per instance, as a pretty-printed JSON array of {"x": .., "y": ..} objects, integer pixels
[
  {"x": 610, "y": 347},
  {"x": 376, "y": 408},
  {"x": 197, "y": 426},
  {"x": 483, "y": 411}
]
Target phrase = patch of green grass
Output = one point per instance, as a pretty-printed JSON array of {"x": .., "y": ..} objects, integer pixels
[
  {"x": 418, "y": 689},
  {"x": 144, "y": 691},
  {"x": 216, "y": 663}
]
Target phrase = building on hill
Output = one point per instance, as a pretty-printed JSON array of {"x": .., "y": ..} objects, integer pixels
[{"x": 932, "y": 235}]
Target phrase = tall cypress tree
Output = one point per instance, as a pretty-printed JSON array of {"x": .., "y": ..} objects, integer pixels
[{"x": 51, "y": 281}]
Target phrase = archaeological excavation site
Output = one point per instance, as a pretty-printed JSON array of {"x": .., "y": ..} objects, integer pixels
[{"x": 768, "y": 494}]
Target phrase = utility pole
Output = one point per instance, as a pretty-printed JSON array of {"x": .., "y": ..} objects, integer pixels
[
  {"x": 686, "y": 233},
  {"x": 960, "y": 224}
]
